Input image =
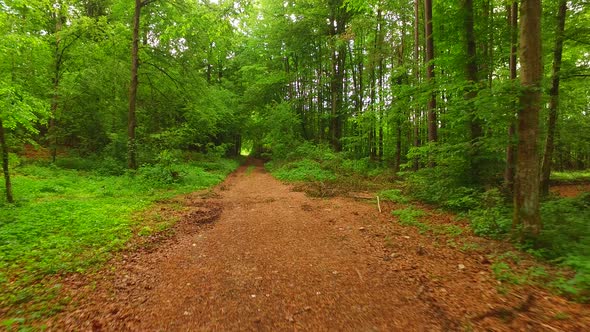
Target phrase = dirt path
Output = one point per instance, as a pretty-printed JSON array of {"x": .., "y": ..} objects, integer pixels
[{"x": 277, "y": 260}]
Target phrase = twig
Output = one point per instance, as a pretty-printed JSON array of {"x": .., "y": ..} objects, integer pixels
[
  {"x": 360, "y": 275},
  {"x": 378, "y": 204}
]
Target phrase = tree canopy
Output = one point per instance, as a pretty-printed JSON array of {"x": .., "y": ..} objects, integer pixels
[{"x": 414, "y": 85}]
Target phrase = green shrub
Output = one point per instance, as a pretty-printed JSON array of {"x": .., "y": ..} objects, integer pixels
[
  {"x": 408, "y": 217},
  {"x": 76, "y": 163},
  {"x": 437, "y": 186},
  {"x": 303, "y": 170},
  {"x": 393, "y": 195},
  {"x": 493, "y": 218},
  {"x": 308, "y": 150}
]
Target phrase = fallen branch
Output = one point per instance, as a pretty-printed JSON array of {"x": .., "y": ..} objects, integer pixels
[{"x": 378, "y": 204}]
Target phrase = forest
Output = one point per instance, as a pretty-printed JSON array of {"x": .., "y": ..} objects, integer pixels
[{"x": 477, "y": 107}]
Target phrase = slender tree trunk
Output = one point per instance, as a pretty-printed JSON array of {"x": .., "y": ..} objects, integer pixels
[
  {"x": 511, "y": 148},
  {"x": 553, "y": 99},
  {"x": 338, "y": 20},
  {"x": 373, "y": 104},
  {"x": 432, "y": 122},
  {"x": 527, "y": 221},
  {"x": 53, "y": 141},
  {"x": 471, "y": 73},
  {"x": 7, "y": 182},
  {"x": 131, "y": 143},
  {"x": 417, "y": 111},
  {"x": 398, "y": 121},
  {"x": 380, "y": 91}
]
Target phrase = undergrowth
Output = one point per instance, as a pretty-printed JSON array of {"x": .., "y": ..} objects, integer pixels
[
  {"x": 571, "y": 176},
  {"x": 564, "y": 239},
  {"x": 70, "y": 218},
  {"x": 309, "y": 162}
]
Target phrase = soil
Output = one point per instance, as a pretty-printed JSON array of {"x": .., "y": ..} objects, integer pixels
[
  {"x": 570, "y": 190},
  {"x": 256, "y": 255}
]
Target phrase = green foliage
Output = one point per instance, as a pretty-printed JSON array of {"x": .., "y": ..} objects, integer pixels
[
  {"x": 69, "y": 220},
  {"x": 408, "y": 217},
  {"x": 444, "y": 187},
  {"x": 303, "y": 170},
  {"x": 281, "y": 130},
  {"x": 565, "y": 238},
  {"x": 571, "y": 176},
  {"x": 393, "y": 195},
  {"x": 493, "y": 217},
  {"x": 503, "y": 272}
]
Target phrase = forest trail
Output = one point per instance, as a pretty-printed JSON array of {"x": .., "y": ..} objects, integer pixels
[{"x": 272, "y": 259}]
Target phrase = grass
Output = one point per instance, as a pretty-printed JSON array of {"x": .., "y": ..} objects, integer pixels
[
  {"x": 571, "y": 176},
  {"x": 68, "y": 221}
]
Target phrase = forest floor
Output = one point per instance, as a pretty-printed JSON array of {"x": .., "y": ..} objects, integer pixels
[{"x": 253, "y": 254}]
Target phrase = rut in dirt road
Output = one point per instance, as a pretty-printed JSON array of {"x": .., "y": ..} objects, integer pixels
[{"x": 278, "y": 260}]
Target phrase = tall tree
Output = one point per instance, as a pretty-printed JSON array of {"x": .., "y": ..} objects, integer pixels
[
  {"x": 59, "y": 18},
  {"x": 432, "y": 121},
  {"x": 338, "y": 21},
  {"x": 132, "y": 121},
  {"x": 417, "y": 111},
  {"x": 472, "y": 88},
  {"x": 526, "y": 220},
  {"x": 512, "y": 11},
  {"x": 553, "y": 98}
]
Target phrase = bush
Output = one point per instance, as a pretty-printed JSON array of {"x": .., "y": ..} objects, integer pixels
[
  {"x": 437, "y": 186},
  {"x": 303, "y": 170},
  {"x": 493, "y": 218},
  {"x": 393, "y": 195},
  {"x": 76, "y": 163}
]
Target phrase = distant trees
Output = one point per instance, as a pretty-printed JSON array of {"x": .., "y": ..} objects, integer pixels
[
  {"x": 131, "y": 117},
  {"x": 468, "y": 113}
]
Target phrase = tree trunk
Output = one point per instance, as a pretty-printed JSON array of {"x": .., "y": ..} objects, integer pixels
[
  {"x": 417, "y": 111},
  {"x": 432, "y": 122},
  {"x": 527, "y": 221},
  {"x": 4, "y": 146},
  {"x": 56, "y": 80},
  {"x": 131, "y": 143},
  {"x": 472, "y": 79},
  {"x": 510, "y": 149},
  {"x": 553, "y": 99}
]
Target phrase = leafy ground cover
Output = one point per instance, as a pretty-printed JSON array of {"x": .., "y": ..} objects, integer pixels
[
  {"x": 69, "y": 220},
  {"x": 564, "y": 240}
]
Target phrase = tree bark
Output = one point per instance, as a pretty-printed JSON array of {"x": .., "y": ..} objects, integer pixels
[
  {"x": 553, "y": 99},
  {"x": 131, "y": 124},
  {"x": 432, "y": 122},
  {"x": 472, "y": 89},
  {"x": 527, "y": 221},
  {"x": 7, "y": 182},
  {"x": 417, "y": 111},
  {"x": 58, "y": 54},
  {"x": 337, "y": 28},
  {"x": 510, "y": 148}
]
